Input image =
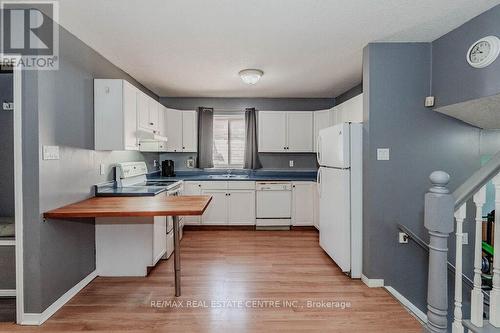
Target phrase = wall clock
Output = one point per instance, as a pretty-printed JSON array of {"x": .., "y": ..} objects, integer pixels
[{"x": 483, "y": 52}]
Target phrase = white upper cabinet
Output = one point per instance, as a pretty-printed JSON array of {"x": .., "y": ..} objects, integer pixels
[
  {"x": 300, "y": 132},
  {"x": 272, "y": 131},
  {"x": 142, "y": 110},
  {"x": 182, "y": 131},
  {"x": 153, "y": 108},
  {"x": 174, "y": 130},
  {"x": 321, "y": 120},
  {"x": 115, "y": 115},
  {"x": 282, "y": 131},
  {"x": 189, "y": 131},
  {"x": 349, "y": 111}
]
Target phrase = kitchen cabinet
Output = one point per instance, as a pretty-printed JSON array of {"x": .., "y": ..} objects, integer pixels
[
  {"x": 283, "y": 131},
  {"x": 181, "y": 130},
  {"x": 192, "y": 188},
  {"x": 303, "y": 203},
  {"x": 321, "y": 120},
  {"x": 216, "y": 212},
  {"x": 272, "y": 131},
  {"x": 233, "y": 202},
  {"x": 115, "y": 115},
  {"x": 241, "y": 207},
  {"x": 189, "y": 131},
  {"x": 153, "y": 114},
  {"x": 349, "y": 111}
]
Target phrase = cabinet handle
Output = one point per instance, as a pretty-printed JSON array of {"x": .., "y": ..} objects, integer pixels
[
  {"x": 151, "y": 123},
  {"x": 183, "y": 147}
]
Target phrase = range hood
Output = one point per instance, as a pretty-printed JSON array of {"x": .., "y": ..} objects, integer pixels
[{"x": 144, "y": 135}]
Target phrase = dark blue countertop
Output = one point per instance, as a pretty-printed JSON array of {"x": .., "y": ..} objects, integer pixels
[{"x": 238, "y": 176}]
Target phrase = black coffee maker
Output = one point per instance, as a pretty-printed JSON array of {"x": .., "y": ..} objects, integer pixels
[{"x": 167, "y": 168}]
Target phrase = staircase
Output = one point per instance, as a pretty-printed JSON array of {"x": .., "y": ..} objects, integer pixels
[{"x": 442, "y": 209}]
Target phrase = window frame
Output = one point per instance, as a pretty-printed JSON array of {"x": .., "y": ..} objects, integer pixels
[{"x": 230, "y": 116}]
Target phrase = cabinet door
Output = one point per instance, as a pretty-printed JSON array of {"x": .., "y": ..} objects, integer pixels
[
  {"x": 321, "y": 120},
  {"x": 174, "y": 130},
  {"x": 143, "y": 110},
  {"x": 303, "y": 203},
  {"x": 162, "y": 127},
  {"x": 300, "y": 132},
  {"x": 192, "y": 188},
  {"x": 189, "y": 131},
  {"x": 159, "y": 237},
  {"x": 316, "y": 206},
  {"x": 272, "y": 131},
  {"x": 216, "y": 212},
  {"x": 241, "y": 210},
  {"x": 130, "y": 116},
  {"x": 153, "y": 115},
  {"x": 352, "y": 110}
]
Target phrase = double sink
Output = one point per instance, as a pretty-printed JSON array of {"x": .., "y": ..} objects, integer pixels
[{"x": 228, "y": 176}]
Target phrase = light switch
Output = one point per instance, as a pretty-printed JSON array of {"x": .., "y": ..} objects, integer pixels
[
  {"x": 383, "y": 154},
  {"x": 50, "y": 152},
  {"x": 290, "y": 163}
]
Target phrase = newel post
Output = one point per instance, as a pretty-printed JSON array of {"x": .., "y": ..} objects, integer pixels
[{"x": 438, "y": 220}]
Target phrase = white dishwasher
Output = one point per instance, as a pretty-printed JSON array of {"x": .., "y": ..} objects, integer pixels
[{"x": 274, "y": 204}]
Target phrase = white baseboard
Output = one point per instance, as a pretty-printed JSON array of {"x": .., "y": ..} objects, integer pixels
[
  {"x": 407, "y": 304},
  {"x": 372, "y": 283},
  {"x": 40, "y": 318},
  {"x": 7, "y": 292}
]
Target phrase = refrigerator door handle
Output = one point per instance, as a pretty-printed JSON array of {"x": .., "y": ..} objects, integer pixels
[
  {"x": 318, "y": 149},
  {"x": 318, "y": 182}
]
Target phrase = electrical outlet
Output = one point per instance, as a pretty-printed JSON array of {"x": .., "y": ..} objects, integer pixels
[
  {"x": 383, "y": 154},
  {"x": 290, "y": 163},
  {"x": 403, "y": 238},
  {"x": 465, "y": 238},
  {"x": 50, "y": 152},
  {"x": 155, "y": 163},
  {"x": 102, "y": 169}
]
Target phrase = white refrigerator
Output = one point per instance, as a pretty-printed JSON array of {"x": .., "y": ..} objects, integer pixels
[{"x": 339, "y": 154}]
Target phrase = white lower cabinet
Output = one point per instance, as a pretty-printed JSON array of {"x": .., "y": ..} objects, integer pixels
[
  {"x": 316, "y": 206},
  {"x": 241, "y": 207},
  {"x": 233, "y": 203},
  {"x": 216, "y": 212},
  {"x": 303, "y": 203},
  {"x": 192, "y": 188}
]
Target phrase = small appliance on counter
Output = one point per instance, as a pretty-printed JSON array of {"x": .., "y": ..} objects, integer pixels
[{"x": 167, "y": 168}]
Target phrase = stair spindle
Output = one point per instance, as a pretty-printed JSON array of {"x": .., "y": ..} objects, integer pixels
[
  {"x": 460, "y": 215},
  {"x": 495, "y": 292},
  {"x": 477, "y": 298}
]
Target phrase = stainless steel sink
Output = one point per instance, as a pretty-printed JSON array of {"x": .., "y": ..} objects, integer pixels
[{"x": 228, "y": 176}]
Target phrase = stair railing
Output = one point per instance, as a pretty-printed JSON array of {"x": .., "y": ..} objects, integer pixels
[{"x": 441, "y": 208}]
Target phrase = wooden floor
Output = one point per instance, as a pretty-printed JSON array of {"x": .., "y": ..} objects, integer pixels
[{"x": 238, "y": 271}]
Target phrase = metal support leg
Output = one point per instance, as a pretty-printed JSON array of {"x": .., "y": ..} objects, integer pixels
[{"x": 177, "y": 256}]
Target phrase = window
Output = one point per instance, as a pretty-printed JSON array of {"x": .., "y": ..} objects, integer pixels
[{"x": 229, "y": 141}]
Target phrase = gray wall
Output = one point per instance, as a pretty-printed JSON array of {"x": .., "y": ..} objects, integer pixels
[
  {"x": 6, "y": 147},
  {"x": 353, "y": 92},
  {"x": 396, "y": 79},
  {"x": 279, "y": 161},
  {"x": 58, "y": 110},
  {"x": 453, "y": 79}
]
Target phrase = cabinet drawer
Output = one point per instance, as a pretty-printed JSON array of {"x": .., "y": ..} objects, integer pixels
[
  {"x": 241, "y": 185},
  {"x": 214, "y": 185}
]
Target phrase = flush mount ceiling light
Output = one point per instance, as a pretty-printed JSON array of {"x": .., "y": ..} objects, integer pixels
[{"x": 251, "y": 76}]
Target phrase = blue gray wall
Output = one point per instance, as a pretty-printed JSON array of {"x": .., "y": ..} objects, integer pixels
[
  {"x": 274, "y": 161},
  {"x": 453, "y": 79},
  {"x": 58, "y": 110},
  {"x": 396, "y": 78}
]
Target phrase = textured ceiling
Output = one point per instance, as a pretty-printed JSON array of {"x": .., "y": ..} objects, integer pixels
[{"x": 307, "y": 48}]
